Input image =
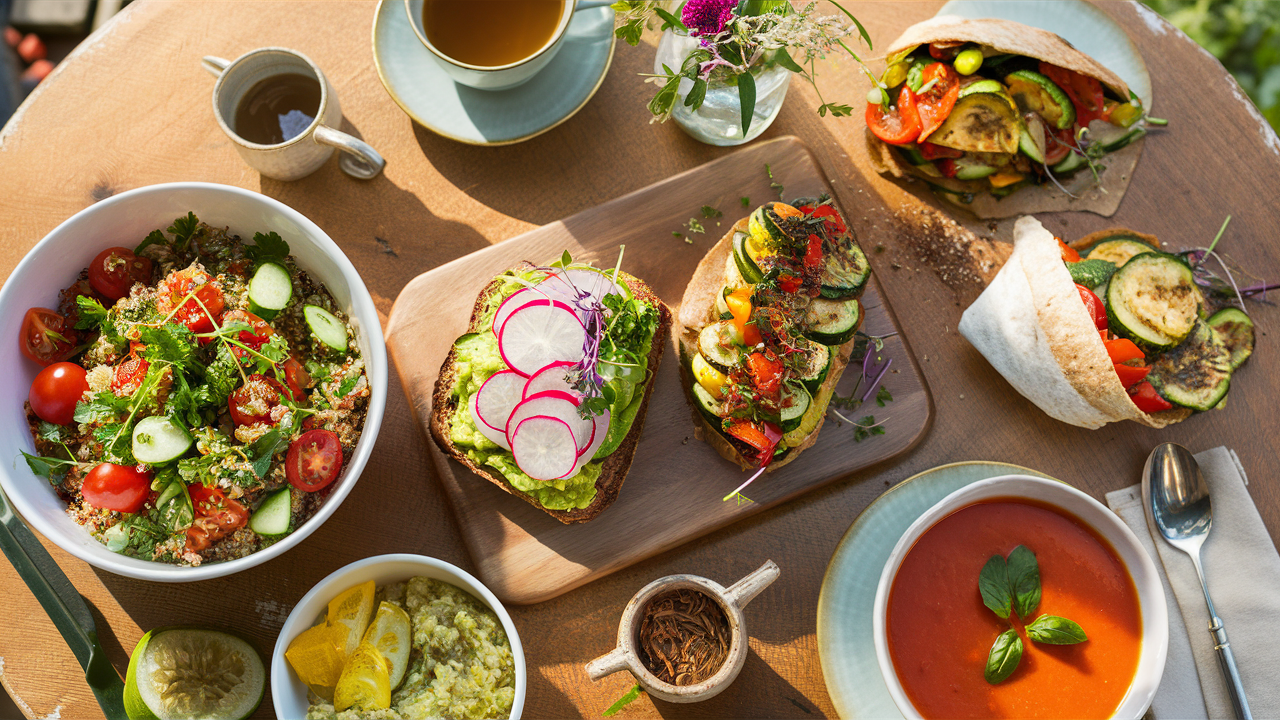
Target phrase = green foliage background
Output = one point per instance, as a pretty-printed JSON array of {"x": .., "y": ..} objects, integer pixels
[{"x": 1243, "y": 34}]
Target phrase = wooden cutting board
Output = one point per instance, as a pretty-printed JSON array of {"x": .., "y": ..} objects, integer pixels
[{"x": 673, "y": 492}]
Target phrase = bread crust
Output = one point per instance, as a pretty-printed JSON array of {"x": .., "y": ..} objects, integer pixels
[{"x": 615, "y": 466}]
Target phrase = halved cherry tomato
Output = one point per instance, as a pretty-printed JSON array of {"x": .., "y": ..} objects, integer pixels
[
  {"x": 55, "y": 392},
  {"x": 1069, "y": 253},
  {"x": 945, "y": 50},
  {"x": 115, "y": 270},
  {"x": 129, "y": 375},
  {"x": 216, "y": 516},
  {"x": 252, "y": 402},
  {"x": 937, "y": 152},
  {"x": 314, "y": 460},
  {"x": 297, "y": 379},
  {"x": 47, "y": 337},
  {"x": 739, "y": 302},
  {"x": 253, "y": 339},
  {"x": 935, "y": 104},
  {"x": 202, "y": 311},
  {"x": 1094, "y": 306},
  {"x": 766, "y": 369},
  {"x": 1085, "y": 92},
  {"x": 896, "y": 125},
  {"x": 1123, "y": 350},
  {"x": 947, "y": 167},
  {"x": 123, "y": 488},
  {"x": 789, "y": 283},
  {"x": 1057, "y": 145},
  {"x": 1144, "y": 395},
  {"x": 1130, "y": 375}
]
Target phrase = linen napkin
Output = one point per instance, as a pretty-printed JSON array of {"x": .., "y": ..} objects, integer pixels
[{"x": 1243, "y": 569}]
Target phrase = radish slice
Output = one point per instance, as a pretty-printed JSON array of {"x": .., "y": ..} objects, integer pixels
[
  {"x": 600, "y": 432},
  {"x": 496, "y": 436},
  {"x": 536, "y": 335},
  {"x": 553, "y": 403},
  {"x": 543, "y": 447},
  {"x": 551, "y": 377},
  {"x": 517, "y": 300},
  {"x": 497, "y": 397},
  {"x": 570, "y": 285}
]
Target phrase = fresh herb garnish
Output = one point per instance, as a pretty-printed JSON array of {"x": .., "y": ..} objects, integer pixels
[
  {"x": 267, "y": 248},
  {"x": 695, "y": 226},
  {"x": 866, "y": 427},
  {"x": 746, "y": 201},
  {"x": 1011, "y": 587},
  {"x": 776, "y": 186},
  {"x": 710, "y": 212}
]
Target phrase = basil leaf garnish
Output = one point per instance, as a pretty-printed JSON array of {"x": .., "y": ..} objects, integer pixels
[
  {"x": 993, "y": 583},
  {"x": 1054, "y": 630},
  {"x": 1024, "y": 580},
  {"x": 1004, "y": 657}
]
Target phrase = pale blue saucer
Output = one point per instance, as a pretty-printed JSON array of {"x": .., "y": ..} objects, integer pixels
[
  {"x": 845, "y": 644},
  {"x": 481, "y": 117}
]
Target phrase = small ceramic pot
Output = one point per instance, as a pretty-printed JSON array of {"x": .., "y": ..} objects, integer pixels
[{"x": 626, "y": 655}]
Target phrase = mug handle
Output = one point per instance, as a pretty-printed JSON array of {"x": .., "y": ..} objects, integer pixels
[
  {"x": 358, "y": 159},
  {"x": 214, "y": 64}
]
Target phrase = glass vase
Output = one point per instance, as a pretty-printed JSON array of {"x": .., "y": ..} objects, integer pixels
[{"x": 718, "y": 121}]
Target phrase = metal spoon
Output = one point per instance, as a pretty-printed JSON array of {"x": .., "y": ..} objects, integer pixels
[{"x": 1177, "y": 505}]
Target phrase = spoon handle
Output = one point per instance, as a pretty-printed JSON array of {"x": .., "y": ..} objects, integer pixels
[{"x": 1227, "y": 659}]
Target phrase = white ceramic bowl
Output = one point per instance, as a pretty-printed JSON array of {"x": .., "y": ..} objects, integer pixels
[
  {"x": 125, "y": 219},
  {"x": 289, "y": 694},
  {"x": 1151, "y": 598}
]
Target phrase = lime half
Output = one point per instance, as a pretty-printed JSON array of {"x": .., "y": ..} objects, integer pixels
[{"x": 181, "y": 672}]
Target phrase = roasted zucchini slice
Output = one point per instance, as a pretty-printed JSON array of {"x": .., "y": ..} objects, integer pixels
[
  {"x": 981, "y": 122},
  {"x": 1035, "y": 93},
  {"x": 845, "y": 269},
  {"x": 817, "y": 363},
  {"x": 707, "y": 405},
  {"x": 1118, "y": 250},
  {"x": 1197, "y": 373},
  {"x": 1153, "y": 300},
  {"x": 747, "y": 266},
  {"x": 833, "y": 322},
  {"x": 717, "y": 345},
  {"x": 1235, "y": 329},
  {"x": 795, "y": 403},
  {"x": 768, "y": 223}
]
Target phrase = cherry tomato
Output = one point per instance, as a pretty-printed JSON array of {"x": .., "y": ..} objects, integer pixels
[
  {"x": 47, "y": 337},
  {"x": 1069, "y": 253},
  {"x": 1130, "y": 375},
  {"x": 1057, "y": 145},
  {"x": 1123, "y": 350},
  {"x": 1094, "y": 306},
  {"x": 936, "y": 152},
  {"x": 115, "y": 270},
  {"x": 789, "y": 283},
  {"x": 202, "y": 301},
  {"x": 297, "y": 379},
  {"x": 123, "y": 488},
  {"x": 945, "y": 50},
  {"x": 1144, "y": 395},
  {"x": 217, "y": 516},
  {"x": 1085, "y": 92},
  {"x": 129, "y": 375},
  {"x": 55, "y": 392},
  {"x": 935, "y": 104},
  {"x": 896, "y": 125},
  {"x": 254, "y": 339},
  {"x": 314, "y": 460},
  {"x": 252, "y": 402}
]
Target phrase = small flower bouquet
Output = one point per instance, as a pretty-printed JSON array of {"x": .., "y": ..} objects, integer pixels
[{"x": 736, "y": 41}]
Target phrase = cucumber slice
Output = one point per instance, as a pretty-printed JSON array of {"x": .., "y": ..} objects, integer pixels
[
  {"x": 1124, "y": 140},
  {"x": 1236, "y": 330},
  {"x": 845, "y": 269},
  {"x": 1035, "y": 93},
  {"x": 716, "y": 344},
  {"x": 968, "y": 168},
  {"x": 833, "y": 322},
  {"x": 184, "y": 672},
  {"x": 747, "y": 267},
  {"x": 1153, "y": 300},
  {"x": 274, "y": 516},
  {"x": 1197, "y": 373},
  {"x": 327, "y": 328},
  {"x": 1031, "y": 138},
  {"x": 1091, "y": 273},
  {"x": 158, "y": 440},
  {"x": 982, "y": 86},
  {"x": 707, "y": 405},
  {"x": 817, "y": 363},
  {"x": 795, "y": 403},
  {"x": 1074, "y": 161},
  {"x": 270, "y": 290},
  {"x": 1118, "y": 250}
]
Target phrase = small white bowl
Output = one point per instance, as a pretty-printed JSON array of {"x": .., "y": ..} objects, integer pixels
[
  {"x": 125, "y": 219},
  {"x": 1151, "y": 598},
  {"x": 289, "y": 694}
]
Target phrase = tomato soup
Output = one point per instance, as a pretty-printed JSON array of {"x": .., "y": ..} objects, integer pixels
[{"x": 939, "y": 632}]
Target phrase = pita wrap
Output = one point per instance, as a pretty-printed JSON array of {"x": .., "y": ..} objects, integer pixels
[
  {"x": 1005, "y": 36},
  {"x": 1032, "y": 327}
]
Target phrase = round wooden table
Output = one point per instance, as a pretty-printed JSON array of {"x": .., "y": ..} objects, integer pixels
[{"x": 131, "y": 108}]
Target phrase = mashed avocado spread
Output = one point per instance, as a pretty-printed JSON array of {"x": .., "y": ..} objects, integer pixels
[{"x": 478, "y": 358}]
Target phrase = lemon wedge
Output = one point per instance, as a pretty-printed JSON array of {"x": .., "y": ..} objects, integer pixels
[
  {"x": 352, "y": 610},
  {"x": 365, "y": 684},
  {"x": 317, "y": 656},
  {"x": 390, "y": 634}
]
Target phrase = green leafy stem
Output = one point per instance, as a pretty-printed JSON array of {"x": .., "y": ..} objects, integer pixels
[{"x": 1011, "y": 586}]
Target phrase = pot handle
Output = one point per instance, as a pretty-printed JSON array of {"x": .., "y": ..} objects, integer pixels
[
  {"x": 745, "y": 590},
  {"x": 608, "y": 664},
  {"x": 214, "y": 64}
]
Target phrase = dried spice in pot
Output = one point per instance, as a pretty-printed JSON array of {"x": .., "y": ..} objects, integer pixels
[{"x": 684, "y": 637}]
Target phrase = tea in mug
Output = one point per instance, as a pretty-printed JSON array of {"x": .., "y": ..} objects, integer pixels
[
  {"x": 278, "y": 109},
  {"x": 490, "y": 33}
]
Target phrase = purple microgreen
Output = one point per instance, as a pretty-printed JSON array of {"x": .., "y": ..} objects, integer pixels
[
  {"x": 875, "y": 383},
  {"x": 744, "y": 485}
]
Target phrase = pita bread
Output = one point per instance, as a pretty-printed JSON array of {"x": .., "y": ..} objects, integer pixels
[
  {"x": 1031, "y": 326},
  {"x": 1005, "y": 36}
]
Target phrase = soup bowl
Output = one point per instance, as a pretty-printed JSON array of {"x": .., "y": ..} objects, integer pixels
[
  {"x": 1075, "y": 505},
  {"x": 125, "y": 219}
]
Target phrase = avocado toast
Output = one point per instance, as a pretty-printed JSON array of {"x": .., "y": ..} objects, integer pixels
[{"x": 591, "y": 381}]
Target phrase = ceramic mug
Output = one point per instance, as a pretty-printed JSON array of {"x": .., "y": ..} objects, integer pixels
[
  {"x": 304, "y": 153},
  {"x": 626, "y": 655},
  {"x": 500, "y": 77}
]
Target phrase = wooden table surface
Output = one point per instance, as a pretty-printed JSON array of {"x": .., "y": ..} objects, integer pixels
[{"x": 131, "y": 108}]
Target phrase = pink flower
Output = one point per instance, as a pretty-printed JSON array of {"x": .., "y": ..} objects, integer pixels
[{"x": 707, "y": 17}]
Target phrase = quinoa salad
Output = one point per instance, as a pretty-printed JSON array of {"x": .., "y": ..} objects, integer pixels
[{"x": 199, "y": 395}]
